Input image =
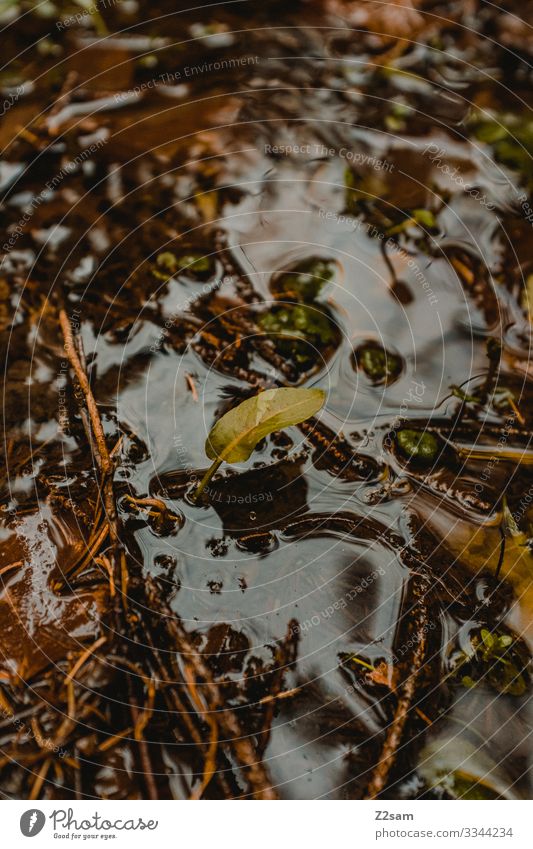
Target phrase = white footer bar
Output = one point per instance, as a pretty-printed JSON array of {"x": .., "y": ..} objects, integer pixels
[{"x": 259, "y": 825}]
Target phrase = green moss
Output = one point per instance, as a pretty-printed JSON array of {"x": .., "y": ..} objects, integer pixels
[
  {"x": 305, "y": 280},
  {"x": 379, "y": 365},
  {"x": 298, "y": 330},
  {"x": 418, "y": 445}
]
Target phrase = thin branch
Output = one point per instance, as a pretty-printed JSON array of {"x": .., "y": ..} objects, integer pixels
[
  {"x": 407, "y": 691},
  {"x": 81, "y": 376}
]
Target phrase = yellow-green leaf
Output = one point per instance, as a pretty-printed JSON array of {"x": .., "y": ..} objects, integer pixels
[{"x": 235, "y": 435}]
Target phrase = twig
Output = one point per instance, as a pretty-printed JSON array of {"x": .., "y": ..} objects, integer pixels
[
  {"x": 14, "y": 565},
  {"x": 192, "y": 386},
  {"x": 74, "y": 352},
  {"x": 494, "y": 352},
  {"x": 85, "y": 656},
  {"x": 116, "y": 738},
  {"x": 285, "y": 694},
  {"x": 78, "y": 778},
  {"x": 210, "y": 762},
  {"x": 407, "y": 691},
  {"x": 39, "y": 780},
  {"x": 228, "y": 723},
  {"x": 285, "y": 656},
  {"x": 349, "y": 464},
  {"x": 96, "y": 422},
  {"x": 144, "y": 753}
]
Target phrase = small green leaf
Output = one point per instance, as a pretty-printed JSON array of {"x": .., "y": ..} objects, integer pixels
[
  {"x": 509, "y": 522},
  {"x": 464, "y": 396},
  {"x": 418, "y": 445},
  {"x": 394, "y": 123},
  {"x": 193, "y": 265},
  {"x": 425, "y": 218},
  {"x": 235, "y": 435},
  {"x": 508, "y": 679},
  {"x": 352, "y": 197},
  {"x": 488, "y": 639},
  {"x": 195, "y": 262}
]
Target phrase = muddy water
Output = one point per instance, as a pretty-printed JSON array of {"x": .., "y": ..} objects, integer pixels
[{"x": 163, "y": 173}]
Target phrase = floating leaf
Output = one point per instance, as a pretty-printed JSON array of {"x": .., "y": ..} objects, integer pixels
[
  {"x": 235, "y": 435},
  {"x": 418, "y": 445}
]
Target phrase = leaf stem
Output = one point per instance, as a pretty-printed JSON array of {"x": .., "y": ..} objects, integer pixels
[{"x": 206, "y": 478}]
